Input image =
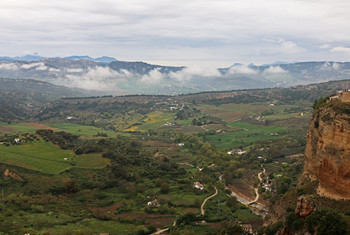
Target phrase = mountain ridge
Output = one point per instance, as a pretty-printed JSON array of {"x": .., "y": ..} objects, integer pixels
[{"x": 124, "y": 77}]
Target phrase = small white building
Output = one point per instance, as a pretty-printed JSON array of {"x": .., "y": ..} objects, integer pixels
[
  {"x": 238, "y": 151},
  {"x": 153, "y": 203},
  {"x": 198, "y": 185}
]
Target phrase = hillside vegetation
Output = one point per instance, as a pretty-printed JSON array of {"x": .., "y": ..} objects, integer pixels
[{"x": 131, "y": 164}]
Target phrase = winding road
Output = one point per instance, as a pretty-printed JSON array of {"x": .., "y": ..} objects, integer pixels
[
  {"x": 256, "y": 189},
  {"x": 161, "y": 231},
  {"x": 205, "y": 201}
]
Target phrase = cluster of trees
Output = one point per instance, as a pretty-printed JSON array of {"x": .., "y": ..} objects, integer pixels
[
  {"x": 206, "y": 120},
  {"x": 318, "y": 103},
  {"x": 186, "y": 112},
  {"x": 322, "y": 222},
  {"x": 63, "y": 139}
]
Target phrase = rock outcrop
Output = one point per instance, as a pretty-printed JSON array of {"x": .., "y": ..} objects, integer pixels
[
  {"x": 304, "y": 207},
  {"x": 13, "y": 175},
  {"x": 327, "y": 154}
]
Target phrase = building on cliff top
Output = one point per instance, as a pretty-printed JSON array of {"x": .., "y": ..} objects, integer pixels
[{"x": 343, "y": 96}]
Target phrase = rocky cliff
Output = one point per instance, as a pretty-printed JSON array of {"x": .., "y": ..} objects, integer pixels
[{"x": 327, "y": 154}]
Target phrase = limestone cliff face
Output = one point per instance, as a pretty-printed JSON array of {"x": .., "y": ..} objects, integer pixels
[{"x": 327, "y": 154}]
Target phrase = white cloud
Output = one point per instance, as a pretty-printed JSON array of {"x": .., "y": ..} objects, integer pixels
[
  {"x": 330, "y": 66},
  {"x": 99, "y": 78},
  {"x": 75, "y": 70},
  {"x": 154, "y": 76},
  {"x": 188, "y": 73},
  {"x": 126, "y": 72},
  {"x": 53, "y": 70},
  {"x": 9, "y": 66},
  {"x": 274, "y": 70},
  {"x": 289, "y": 47},
  {"x": 37, "y": 65},
  {"x": 147, "y": 30},
  {"x": 345, "y": 50},
  {"x": 241, "y": 69},
  {"x": 42, "y": 67},
  {"x": 336, "y": 66},
  {"x": 325, "y": 46}
]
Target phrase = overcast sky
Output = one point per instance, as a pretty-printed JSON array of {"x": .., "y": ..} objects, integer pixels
[{"x": 179, "y": 32}]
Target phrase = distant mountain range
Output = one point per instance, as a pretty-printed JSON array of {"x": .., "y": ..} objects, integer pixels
[
  {"x": 110, "y": 76},
  {"x": 103, "y": 59}
]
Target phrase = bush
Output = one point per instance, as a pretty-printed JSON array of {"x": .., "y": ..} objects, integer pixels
[
  {"x": 164, "y": 187},
  {"x": 293, "y": 222},
  {"x": 37, "y": 208},
  {"x": 326, "y": 221},
  {"x": 318, "y": 103},
  {"x": 232, "y": 228}
]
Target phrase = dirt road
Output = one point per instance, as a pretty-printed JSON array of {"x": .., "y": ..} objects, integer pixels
[{"x": 205, "y": 201}]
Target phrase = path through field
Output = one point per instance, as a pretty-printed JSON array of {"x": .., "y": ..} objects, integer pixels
[
  {"x": 205, "y": 201},
  {"x": 256, "y": 189}
]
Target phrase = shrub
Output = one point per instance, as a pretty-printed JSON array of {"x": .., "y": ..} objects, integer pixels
[
  {"x": 164, "y": 187},
  {"x": 326, "y": 221}
]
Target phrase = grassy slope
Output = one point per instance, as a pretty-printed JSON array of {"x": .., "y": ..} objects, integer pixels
[
  {"x": 250, "y": 133},
  {"x": 40, "y": 156},
  {"x": 80, "y": 129},
  {"x": 75, "y": 129},
  {"x": 153, "y": 121},
  {"x": 232, "y": 112},
  {"x": 47, "y": 158}
]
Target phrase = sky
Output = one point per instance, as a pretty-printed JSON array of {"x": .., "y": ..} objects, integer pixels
[{"x": 179, "y": 32}]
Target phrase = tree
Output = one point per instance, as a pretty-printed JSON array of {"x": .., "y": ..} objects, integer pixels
[
  {"x": 71, "y": 186},
  {"x": 232, "y": 229},
  {"x": 164, "y": 187},
  {"x": 326, "y": 221},
  {"x": 232, "y": 202},
  {"x": 293, "y": 222},
  {"x": 197, "y": 202}
]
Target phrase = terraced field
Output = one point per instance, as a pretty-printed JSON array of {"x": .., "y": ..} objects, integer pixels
[
  {"x": 232, "y": 112},
  {"x": 249, "y": 133},
  {"x": 152, "y": 121}
]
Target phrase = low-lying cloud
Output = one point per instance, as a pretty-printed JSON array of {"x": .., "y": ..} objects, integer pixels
[
  {"x": 274, "y": 70},
  {"x": 331, "y": 66},
  {"x": 241, "y": 69},
  {"x": 99, "y": 78},
  {"x": 8, "y": 66},
  {"x": 154, "y": 76},
  {"x": 74, "y": 70},
  {"x": 188, "y": 73},
  {"x": 32, "y": 65}
]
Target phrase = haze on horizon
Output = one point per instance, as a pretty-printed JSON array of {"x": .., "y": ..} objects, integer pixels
[{"x": 199, "y": 32}]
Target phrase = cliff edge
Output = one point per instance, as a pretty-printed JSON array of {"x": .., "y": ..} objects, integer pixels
[{"x": 327, "y": 153}]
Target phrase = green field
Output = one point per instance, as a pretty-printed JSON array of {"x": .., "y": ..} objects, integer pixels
[
  {"x": 16, "y": 128},
  {"x": 80, "y": 130},
  {"x": 48, "y": 158},
  {"x": 248, "y": 134},
  {"x": 232, "y": 112},
  {"x": 95, "y": 226},
  {"x": 285, "y": 112},
  {"x": 152, "y": 121},
  {"x": 39, "y": 156},
  {"x": 90, "y": 161},
  {"x": 75, "y": 129}
]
